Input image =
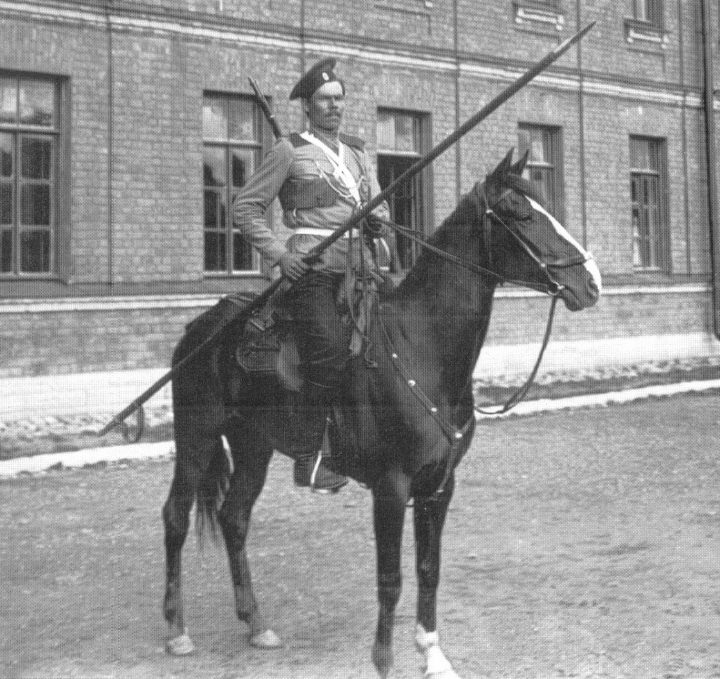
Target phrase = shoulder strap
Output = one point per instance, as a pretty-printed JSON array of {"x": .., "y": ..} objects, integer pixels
[
  {"x": 297, "y": 139},
  {"x": 350, "y": 140}
]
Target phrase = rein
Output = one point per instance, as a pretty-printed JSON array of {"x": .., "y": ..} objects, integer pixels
[{"x": 454, "y": 434}]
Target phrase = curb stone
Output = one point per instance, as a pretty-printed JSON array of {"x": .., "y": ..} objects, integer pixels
[{"x": 144, "y": 451}]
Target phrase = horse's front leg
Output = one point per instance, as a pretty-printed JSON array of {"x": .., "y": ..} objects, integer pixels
[
  {"x": 390, "y": 494},
  {"x": 429, "y": 515},
  {"x": 251, "y": 460}
]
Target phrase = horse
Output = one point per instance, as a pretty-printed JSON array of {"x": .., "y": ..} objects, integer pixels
[{"x": 407, "y": 416}]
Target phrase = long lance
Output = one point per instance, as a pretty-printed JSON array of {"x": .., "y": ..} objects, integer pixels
[{"x": 360, "y": 214}]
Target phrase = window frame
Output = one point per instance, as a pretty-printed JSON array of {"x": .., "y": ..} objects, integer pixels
[
  {"x": 552, "y": 138},
  {"x": 661, "y": 239},
  {"x": 421, "y": 188},
  {"x": 651, "y": 7},
  {"x": 539, "y": 16},
  {"x": 58, "y": 181},
  {"x": 645, "y": 28},
  {"x": 257, "y": 147}
]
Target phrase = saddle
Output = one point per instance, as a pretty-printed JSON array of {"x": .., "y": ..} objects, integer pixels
[{"x": 268, "y": 346}]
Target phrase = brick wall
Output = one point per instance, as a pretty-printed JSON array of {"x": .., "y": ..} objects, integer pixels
[{"x": 162, "y": 56}]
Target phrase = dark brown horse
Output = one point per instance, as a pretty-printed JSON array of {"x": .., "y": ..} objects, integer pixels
[{"x": 403, "y": 424}]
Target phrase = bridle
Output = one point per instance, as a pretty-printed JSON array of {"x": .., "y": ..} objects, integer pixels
[{"x": 488, "y": 215}]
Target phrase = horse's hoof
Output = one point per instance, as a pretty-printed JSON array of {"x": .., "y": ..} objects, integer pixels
[
  {"x": 266, "y": 640},
  {"x": 382, "y": 657},
  {"x": 180, "y": 645},
  {"x": 446, "y": 674}
]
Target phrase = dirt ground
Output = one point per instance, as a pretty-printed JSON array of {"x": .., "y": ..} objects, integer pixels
[{"x": 579, "y": 544}]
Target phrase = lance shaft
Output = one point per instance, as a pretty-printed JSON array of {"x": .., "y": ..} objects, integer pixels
[
  {"x": 217, "y": 332},
  {"x": 453, "y": 138},
  {"x": 361, "y": 214}
]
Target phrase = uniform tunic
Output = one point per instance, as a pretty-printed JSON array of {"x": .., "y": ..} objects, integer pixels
[{"x": 301, "y": 176}]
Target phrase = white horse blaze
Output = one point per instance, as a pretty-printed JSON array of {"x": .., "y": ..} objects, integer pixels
[{"x": 590, "y": 264}]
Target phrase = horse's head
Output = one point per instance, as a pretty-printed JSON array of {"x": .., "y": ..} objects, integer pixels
[{"x": 527, "y": 245}]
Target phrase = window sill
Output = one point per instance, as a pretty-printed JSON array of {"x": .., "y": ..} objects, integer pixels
[
  {"x": 538, "y": 16},
  {"x": 645, "y": 34}
]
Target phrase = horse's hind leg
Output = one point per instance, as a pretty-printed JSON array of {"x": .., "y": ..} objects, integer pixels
[
  {"x": 251, "y": 458},
  {"x": 429, "y": 519},
  {"x": 176, "y": 517},
  {"x": 198, "y": 445}
]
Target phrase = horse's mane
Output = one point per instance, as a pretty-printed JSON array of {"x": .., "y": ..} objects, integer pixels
[
  {"x": 425, "y": 268},
  {"x": 458, "y": 222}
]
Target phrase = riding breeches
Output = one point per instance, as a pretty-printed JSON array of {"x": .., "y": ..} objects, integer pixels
[{"x": 323, "y": 337}]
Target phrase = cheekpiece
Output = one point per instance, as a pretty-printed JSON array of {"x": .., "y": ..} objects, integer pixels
[{"x": 318, "y": 74}]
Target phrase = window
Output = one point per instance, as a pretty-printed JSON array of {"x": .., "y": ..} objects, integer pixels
[
  {"x": 648, "y": 10},
  {"x": 402, "y": 137},
  {"x": 539, "y": 15},
  {"x": 29, "y": 147},
  {"x": 233, "y": 130},
  {"x": 646, "y": 26},
  {"x": 647, "y": 189},
  {"x": 544, "y": 166}
]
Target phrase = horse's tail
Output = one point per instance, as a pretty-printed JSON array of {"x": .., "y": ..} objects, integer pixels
[
  {"x": 199, "y": 415},
  {"x": 211, "y": 490}
]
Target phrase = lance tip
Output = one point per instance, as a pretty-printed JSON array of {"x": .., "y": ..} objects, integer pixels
[{"x": 574, "y": 38}]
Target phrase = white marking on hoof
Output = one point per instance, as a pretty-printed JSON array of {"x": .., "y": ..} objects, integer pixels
[
  {"x": 180, "y": 645},
  {"x": 266, "y": 640},
  {"x": 437, "y": 666}
]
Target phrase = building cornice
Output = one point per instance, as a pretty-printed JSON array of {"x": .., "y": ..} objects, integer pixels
[{"x": 126, "y": 16}]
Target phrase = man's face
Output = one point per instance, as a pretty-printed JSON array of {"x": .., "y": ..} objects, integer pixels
[{"x": 326, "y": 106}]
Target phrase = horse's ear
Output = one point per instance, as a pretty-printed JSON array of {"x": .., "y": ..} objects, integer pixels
[
  {"x": 504, "y": 167},
  {"x": 519, "y": 167}
]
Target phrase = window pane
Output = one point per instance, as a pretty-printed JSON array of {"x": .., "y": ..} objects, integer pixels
[
  {"x": 6, "y": 252},
  {"x": 242, "y": 253},
  {"x": 212, "y": 210},
  {"x": 35, "y": 251},
  {"x": 37, "y": 102},
  {"x": 404, "y": 133},
  {"x": 36, "y": 157},
  {"x": 540, "y": 180},
  {"x": 242, "y": 119},
  {"x": 215, "y": 251},
  {"x": 8, "y": 100},
  {"x": 241, "y": 166},
  {"x": 35, "y": 204},
  {"x": 6, "y": 211},
  {"x": 214, "y": 169},
  {"x": 641, "y": 155},
  {"x": 6, "y": 155},
  {"x": 385, "y": 130},
  {"x": 214, "y": 118},
  {"x": 524, "y": 140}
]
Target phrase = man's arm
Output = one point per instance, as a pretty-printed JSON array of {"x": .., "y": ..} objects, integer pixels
[
  {"x": 382, "y": 211},
  {"x": 255, "y": 197}
]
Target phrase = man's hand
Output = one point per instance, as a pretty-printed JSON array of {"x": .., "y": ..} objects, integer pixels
[{"x": 293, "y": 266}]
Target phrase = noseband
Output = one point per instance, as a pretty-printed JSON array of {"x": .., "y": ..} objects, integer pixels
[{"x": 490, "y": 215}]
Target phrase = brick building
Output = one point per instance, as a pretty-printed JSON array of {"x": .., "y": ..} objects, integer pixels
[{"x": 126, "y": 126}]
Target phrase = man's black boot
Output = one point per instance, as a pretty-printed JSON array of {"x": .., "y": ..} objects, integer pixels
[{"x": 310, "y": 470}]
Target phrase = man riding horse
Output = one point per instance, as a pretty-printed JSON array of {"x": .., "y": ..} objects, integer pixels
[{"x": 321, "y": 177}]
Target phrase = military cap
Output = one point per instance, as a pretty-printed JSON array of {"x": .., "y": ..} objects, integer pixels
[{"x": 318, "y": 74}]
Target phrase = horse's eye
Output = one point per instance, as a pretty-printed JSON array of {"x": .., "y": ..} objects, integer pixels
[{"x": 520, "y": 208}]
